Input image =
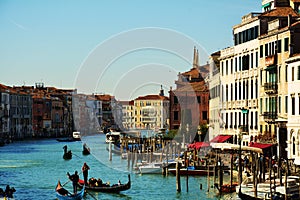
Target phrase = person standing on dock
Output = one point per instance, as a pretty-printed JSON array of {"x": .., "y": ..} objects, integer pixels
[{"x": 85, "y": 171}]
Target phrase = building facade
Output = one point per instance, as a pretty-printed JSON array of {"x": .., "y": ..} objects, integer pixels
[
  {"x": 189, "y": 100},
  {"x": 258, "y": 77},
  {"x": 151, "y": 112}
]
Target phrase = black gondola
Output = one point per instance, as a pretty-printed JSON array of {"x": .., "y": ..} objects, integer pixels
[
  {"x": 67, "y": 154},
  {"x": 86, "y": 150},
  {"x": 116, "y": 188}
]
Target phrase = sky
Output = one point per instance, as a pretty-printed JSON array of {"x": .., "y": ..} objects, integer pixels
[{"x": 125, "y": 48}]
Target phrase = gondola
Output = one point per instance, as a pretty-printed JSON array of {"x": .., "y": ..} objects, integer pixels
[
  {"x": 67, "y": 154},
  {"x": 63, "y": 194},
  {"x": 86, "y": 150},
  {"x": 226, "y": 188},
  {"x": 116, "y": 188}
]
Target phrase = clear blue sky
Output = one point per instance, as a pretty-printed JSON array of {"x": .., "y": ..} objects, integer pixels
[{"x": 50, "y": 41}]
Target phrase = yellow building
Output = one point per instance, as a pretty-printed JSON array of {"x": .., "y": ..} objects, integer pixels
[{"x": 151, "y": 112}]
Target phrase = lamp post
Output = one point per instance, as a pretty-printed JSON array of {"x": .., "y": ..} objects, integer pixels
[
  {"x": 240, "y": 160},
  {"x": 241, "y": 130}
]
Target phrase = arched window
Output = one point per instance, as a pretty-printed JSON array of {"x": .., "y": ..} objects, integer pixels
[{"x": 294, "y": 146}]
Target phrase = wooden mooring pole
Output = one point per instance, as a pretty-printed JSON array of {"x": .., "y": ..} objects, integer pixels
[
  {"x": 178, "y": 185},
  {"x": 110, "y": 151}
]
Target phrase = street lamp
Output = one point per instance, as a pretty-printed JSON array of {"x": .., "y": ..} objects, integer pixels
[
  {"x": 242, "y": 129},
  {"x": 240, "y": 159}
]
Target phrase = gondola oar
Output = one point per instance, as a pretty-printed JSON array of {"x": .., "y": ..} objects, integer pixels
[
  {"x": 76, "y": 155},
  {"x": 91, "y": 195}
]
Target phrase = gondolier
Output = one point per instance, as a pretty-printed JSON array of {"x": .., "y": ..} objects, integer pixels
[
  {"x": 74, "y": 178},
  {"x": 85, "y": 171}
]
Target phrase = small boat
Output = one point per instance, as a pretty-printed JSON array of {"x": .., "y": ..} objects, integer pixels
[
  {"x": 226, "y": 188},
  {"x": 112, "y": 137},
  {"x": 67, "y": 154},
  {"x": 116, "y": 188},
  {"x": 192, "y": 171},
  {"x": 197, "y": 171},
  {"x": 63, "y": 194},
  {"x": 76, "y": 136},
  {"x": 86, "y": 150},
  {"x": 155, "y": 167},
  {"x": 151, "y": 168}
]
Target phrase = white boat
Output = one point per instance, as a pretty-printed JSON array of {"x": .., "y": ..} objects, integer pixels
[
  {"x": 155, "y": 167},
  {"x": 112, "y": 137},
  {"x": 151, "y": 168},
  {"x": 76, "y": 135}
]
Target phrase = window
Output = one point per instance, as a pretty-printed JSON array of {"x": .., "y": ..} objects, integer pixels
[
  {"x": 231, "y": 92},
  {"x": 293, "y": 105},
  {"x": 261, "y": 77},
  {"x": 286, "y": 104},
  {"x": 245, "y": 62},
  {"x": 226, "y": 93},
  {"x": 231, "y": 65},
  {"x": 235, "y": 91},
  {"x": 251, "y": 60},
  {"x": 286, "y": 44},
  {"x": 235, "y": 39},
  {"x": 204, "y": 115},
  {"x": 298, "y": 73},
  {"x": 199, "y": 99},
  {"x": 175, "y": 100},
  {"x": 266, "y": 50},
  {"x": 279, "y": 46},
  {"x": 261, "y": 51},
  {"x": 235, "y": 120},
  {"x": 256, "y": 89},
  {"x": 256, "y": 119},
  {"x": 226, "y": 67},
  {"x": 176, "y": 115},
  {"x": 231, "y": 120},
  {"x": 256, "y": 59},
  {"x": 286, "y": 73},
  {"x": 279, "y": 68},
  {"x": 279, "y": 104},
  {"x": 293, "y": 73},
  {"x": 236, "y": 64}
]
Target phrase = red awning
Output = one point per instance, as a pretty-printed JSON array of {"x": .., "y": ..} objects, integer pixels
[
  {"x": 260, "y": 145},
  {"x": 221, "y": 138},
  {"x": 198, "y": 145}
]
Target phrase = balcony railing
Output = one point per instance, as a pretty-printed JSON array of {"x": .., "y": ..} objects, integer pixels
[
  {"x": 270, "y": 88},
  {"x": 270, "y": 115}
]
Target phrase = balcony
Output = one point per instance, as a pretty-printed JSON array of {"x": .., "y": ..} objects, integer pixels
[
  {"x": 148, "y": 119},
  {"x": 271, "y": 88},
  {"x": 270, "y": 116}
]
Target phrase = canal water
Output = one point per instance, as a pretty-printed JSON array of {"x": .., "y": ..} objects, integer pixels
[{"x": 34, "y": 167}]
